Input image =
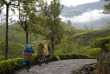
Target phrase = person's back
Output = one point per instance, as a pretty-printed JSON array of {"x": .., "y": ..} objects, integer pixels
[
  {"x": 45, "y": 49},
  {"x": 40, "y": 50},
  {"x": 27, "y": 54},
  {"x": 28, "y": 49}
]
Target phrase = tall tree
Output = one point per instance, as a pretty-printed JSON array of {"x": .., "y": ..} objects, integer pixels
[
  {"x": 27, "y": 13},
  {"x": 7, "y": 3},
  {"x": 53, "y": 25}
]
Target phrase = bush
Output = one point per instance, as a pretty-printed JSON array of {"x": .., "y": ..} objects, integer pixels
[
  {"x": 10, "y": 65},
  {"x": 74, "y": 56},
  {"x": 95, "y": 51},
  {"x": 102, "y": 43}
]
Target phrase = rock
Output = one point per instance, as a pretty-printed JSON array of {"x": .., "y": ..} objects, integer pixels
[{"x": 87, "y": 69}]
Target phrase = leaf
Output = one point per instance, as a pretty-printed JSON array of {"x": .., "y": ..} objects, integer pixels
[{"x": 13, "y": 10}]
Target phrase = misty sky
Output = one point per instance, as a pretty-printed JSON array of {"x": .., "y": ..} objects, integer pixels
[
  {"x": 76, "y": 2},
  {"x": 88, "y": 16},
  {"x": 85, "y": 17}
]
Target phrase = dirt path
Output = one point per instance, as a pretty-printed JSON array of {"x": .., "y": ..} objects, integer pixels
[{"x": 58, "y": 67}]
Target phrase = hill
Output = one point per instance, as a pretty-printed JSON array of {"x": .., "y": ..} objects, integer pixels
[
  {"x": 16, "y": 34},
  {"x": 90, "y": 36},
  {"x": 88, "y": 15},
  {"x": 80, "y": 43},
  {"x": 17, "y": 38},
  {"x": 80, "y": 9}
]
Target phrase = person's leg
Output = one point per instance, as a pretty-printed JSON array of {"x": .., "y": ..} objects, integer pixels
[
  {"x": 39, "y": 61},
  {"x": 42, "y": 59},
  {"x": 27, "y": 65},
  {"x": 46, "y": 59}
]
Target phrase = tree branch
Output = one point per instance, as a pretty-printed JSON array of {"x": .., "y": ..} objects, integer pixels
[
  {"x": 10, "y": 3},
  {"x": 14, "y": 4},
  {"x": 4, "y": 1}
]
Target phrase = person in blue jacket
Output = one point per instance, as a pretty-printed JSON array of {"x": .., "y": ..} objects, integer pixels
[{"x": 28, "y": 50}]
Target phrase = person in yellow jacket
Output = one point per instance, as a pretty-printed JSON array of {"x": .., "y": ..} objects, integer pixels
[
  {"x": 45, "y": 49},
  {"x": 46, "y": 53}
]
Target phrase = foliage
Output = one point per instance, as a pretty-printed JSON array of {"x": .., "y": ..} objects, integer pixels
[
  {"x": 102, "y": 43},
  {"x": 54, "y": 29},
  {"x": 106, "y": 8},
  {"x": 94, "y": 52},
  {"x": 107, "y": 63},
  {"x": 64, "y": 56},
  {"x": 1, "y": 4},
  {"x": 10, "y": 65}
]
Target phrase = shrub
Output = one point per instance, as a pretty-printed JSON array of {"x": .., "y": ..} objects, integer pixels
[
  {"x": 74, "y": 56},
  {"x": 102, "y": 43},
  {"x": 95, "y": 51},
  {"x": 10, "y": 65}
]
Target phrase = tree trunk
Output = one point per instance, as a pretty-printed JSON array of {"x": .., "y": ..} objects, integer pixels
[
  {"x": 52, "y": 44},
  {"x": 30, "y": 38},
  {"x": 6, "y": 36},
  {"x": 26, "y": 37},
  {"x": 26, "y": 29}
]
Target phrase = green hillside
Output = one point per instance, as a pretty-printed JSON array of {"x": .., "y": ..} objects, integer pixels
[
  {"x": 74, "y": 40},
  {"x": 15, "y": 33},
  {"x": 17, "y": 38},
  {"x": 80, "y": 43},
  {"x": 89, "y": 36}
]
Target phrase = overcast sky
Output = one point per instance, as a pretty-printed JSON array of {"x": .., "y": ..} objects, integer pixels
[
  {"x": 86, "y": 17},
  {"x": 94, "y": 14},
  {"x": 75, "y": 2}
]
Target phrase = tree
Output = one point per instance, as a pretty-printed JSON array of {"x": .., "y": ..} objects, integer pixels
[
  {"x": 1, "y": 4},
  {"x": 106, "y": 8},
  {"x": 53, "y": 25},
  {"x": 69, "y": 22},
  {"x": 28, "y": 14},
  {"x": 7, "y": 3}
]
